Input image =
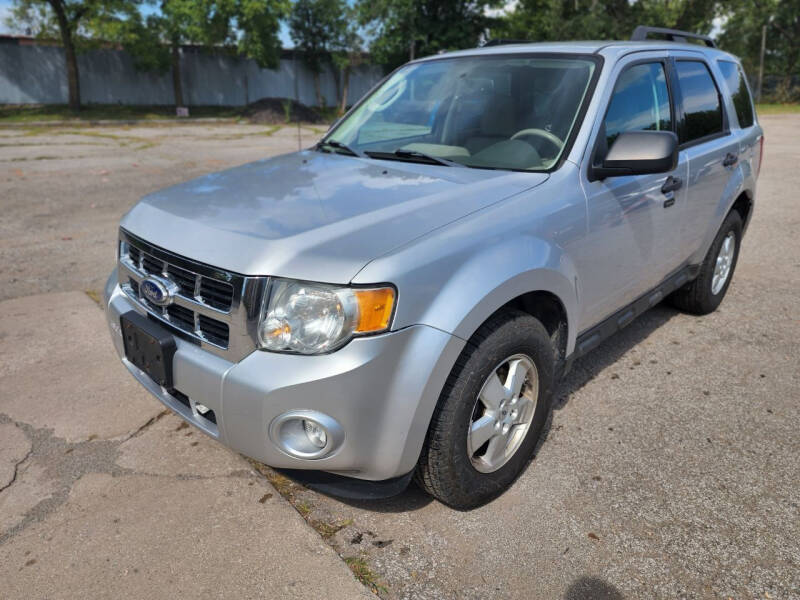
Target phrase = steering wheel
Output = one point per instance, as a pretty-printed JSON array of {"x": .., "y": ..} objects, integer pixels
[{"x": 540, "y": 133}]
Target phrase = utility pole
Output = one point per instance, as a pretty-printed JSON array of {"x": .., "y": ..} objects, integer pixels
[{"x": 761, "y": 61}]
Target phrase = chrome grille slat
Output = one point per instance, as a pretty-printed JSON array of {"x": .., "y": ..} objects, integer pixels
[
  {"x": 185, "y": 279},
  {"x": 215, "y": 308},
  {"x": 215, "y": 293}
]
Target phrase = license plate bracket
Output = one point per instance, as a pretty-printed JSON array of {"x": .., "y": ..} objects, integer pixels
[{"x": 149, "y": 347}]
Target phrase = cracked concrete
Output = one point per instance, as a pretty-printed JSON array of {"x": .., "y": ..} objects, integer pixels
[
  {"x": 49, "y": 353},
  {"x": 103, "y": 493},
  {"x": 14, "y": 450}
]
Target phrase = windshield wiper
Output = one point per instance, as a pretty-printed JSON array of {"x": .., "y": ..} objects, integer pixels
[
  {"x": 414, "y": 155},
  {"x": 339, "y": 146},
  {"x": 400, "y": 153}
]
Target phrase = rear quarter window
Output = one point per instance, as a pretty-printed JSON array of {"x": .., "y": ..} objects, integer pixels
[
  {"x": 740, "y": 93},
  {"x": 702, "y": 109}
]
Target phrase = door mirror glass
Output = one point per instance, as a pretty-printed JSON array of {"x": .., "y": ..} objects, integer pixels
[{"x": 639, "y": 153}]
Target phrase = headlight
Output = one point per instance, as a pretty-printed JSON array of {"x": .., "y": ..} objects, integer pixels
[{"x": 312, "y": 318}]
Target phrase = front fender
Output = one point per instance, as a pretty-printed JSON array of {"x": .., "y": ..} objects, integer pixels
[
  {"x": 458, "y": 292},
  {"x": 494, "y": 278}
]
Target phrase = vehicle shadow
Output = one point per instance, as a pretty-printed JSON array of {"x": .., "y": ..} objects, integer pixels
[
  {"x": 610, "y": 351},
  {"x": 592, "y": 588},
  {"x": 586, "y": 368},
  {"x": 583, "y": 371}
]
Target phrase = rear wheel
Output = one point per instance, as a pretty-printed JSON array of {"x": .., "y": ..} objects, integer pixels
[
  {"x": 491, "y": 412},
  {"x": 705, "y": 293}
]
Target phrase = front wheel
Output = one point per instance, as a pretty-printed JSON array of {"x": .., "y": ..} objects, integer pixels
[
  {"x": 491, "y": 412},
  {"x": 705, "y": 293}
]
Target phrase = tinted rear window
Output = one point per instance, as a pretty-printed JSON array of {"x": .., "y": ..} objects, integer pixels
[
  {"x": 701, "y": 105},
  {"x": 734, "y": 79}
]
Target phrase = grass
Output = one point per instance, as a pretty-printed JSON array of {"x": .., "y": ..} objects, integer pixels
[
  {"x": 116, "y": 112},
  {"x": 94, "y": 295},
  {"x": 109, "y": 112},
  {"x": 777, "y": 109},
  {"x": 364, "y": 574},
  {"x": 282, "y": 484},
  {"x": 325, "y": 529}
]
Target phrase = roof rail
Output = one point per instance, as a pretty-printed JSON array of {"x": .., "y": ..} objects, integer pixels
[
  {"x": 673, "y": 35},
  {"x": 503, "y": 42}
]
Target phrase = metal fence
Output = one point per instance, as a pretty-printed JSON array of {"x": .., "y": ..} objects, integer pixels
[
  {"x": 777, "y": 88},
  {"x": 35, "y": 74}
]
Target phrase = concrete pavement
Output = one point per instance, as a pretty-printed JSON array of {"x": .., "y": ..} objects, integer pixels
[{"x": 105, "y": 495}]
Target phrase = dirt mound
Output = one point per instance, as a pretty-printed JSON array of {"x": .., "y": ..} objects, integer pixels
[{"x": 275, "y": 111}]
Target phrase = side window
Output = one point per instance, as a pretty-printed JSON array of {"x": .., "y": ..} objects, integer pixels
[
  {"x": 701, "y": 106},
  {"x": 640, "y": 102},
  {"x": 734, "y": 79}
]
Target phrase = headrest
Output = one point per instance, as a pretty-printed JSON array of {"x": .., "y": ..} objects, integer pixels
[{"x": 499, "y": 118}]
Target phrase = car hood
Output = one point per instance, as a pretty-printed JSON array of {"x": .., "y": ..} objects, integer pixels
[{"x": 312, "y": 215}]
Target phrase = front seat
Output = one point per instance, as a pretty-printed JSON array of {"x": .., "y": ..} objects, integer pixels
[{"x": 497, "y": 124}]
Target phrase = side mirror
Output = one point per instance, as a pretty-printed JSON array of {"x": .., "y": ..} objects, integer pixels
[{"x": 639, "y": 153}]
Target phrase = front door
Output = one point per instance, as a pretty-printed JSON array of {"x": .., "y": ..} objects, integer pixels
[{"x": 633, "y": 226}]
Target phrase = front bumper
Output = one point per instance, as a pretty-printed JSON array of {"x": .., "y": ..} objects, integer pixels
[{"x": 381, "y": 390}]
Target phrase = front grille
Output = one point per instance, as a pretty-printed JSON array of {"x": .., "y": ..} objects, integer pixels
[
  {"x": 181, "y": 317},
  {"x": 186, "y": 281},
  {"x": 151, "y": 265},
  {"x": 215, "y": 293},
  {"x": 213, "y": 330},
  {"x": 215, "y": 308},
  {"x": 134, "y": 254},
  {"x": 206, "y": 290}
]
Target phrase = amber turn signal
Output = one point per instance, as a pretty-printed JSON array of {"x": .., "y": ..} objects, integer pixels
[{"x": 374, "y": 309}]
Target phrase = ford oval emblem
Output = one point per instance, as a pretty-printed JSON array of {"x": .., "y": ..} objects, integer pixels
[{"x": 157, "y": 290}]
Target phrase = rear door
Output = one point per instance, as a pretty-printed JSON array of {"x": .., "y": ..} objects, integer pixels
[
  {"x": 742, "y": 117},
  {"x": 633, "y": 226},
  {"x": 707, "y": 145}
]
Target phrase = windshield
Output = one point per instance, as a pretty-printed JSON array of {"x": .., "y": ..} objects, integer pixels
[{"x": 502, "y": 112}]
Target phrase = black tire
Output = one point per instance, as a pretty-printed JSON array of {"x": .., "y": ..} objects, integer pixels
[
  {"x": 696, "y": 297},
  {"x": 445, "y": 470}
]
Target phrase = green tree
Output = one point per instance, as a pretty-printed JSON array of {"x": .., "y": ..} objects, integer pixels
[
  {"x": 251, "y": 26},
  {"x": 347, "y": 54},
  {"x": 551, "y": 20},
  {"x": 402, "y": 30},
  {"x": 69, "y": 20},
  {"x": 317, "y": 28},
  {"x": 741, "y": 35},
  {"x": 538, "y": 20}
]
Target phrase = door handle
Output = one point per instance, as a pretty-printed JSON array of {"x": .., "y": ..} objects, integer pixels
[
  {"x": 670, "y": 185},
  {"x": 730, "y": 159}
]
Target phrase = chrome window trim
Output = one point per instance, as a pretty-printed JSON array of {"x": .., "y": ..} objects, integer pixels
[{"x": 241, "y": 318}]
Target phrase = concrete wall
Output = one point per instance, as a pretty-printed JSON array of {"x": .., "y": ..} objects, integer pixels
[{"x": 33, "y": 74}]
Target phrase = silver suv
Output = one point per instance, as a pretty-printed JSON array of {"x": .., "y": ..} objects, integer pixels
[{"x": 401, "y": 299}]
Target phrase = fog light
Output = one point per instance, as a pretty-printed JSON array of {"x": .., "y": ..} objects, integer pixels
[
  {"x": 306, "y": 434},
  {"x": 316, "y": 434}
]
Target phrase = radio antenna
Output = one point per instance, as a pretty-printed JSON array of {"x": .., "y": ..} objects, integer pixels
[{"x": 297, "y": 98}]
